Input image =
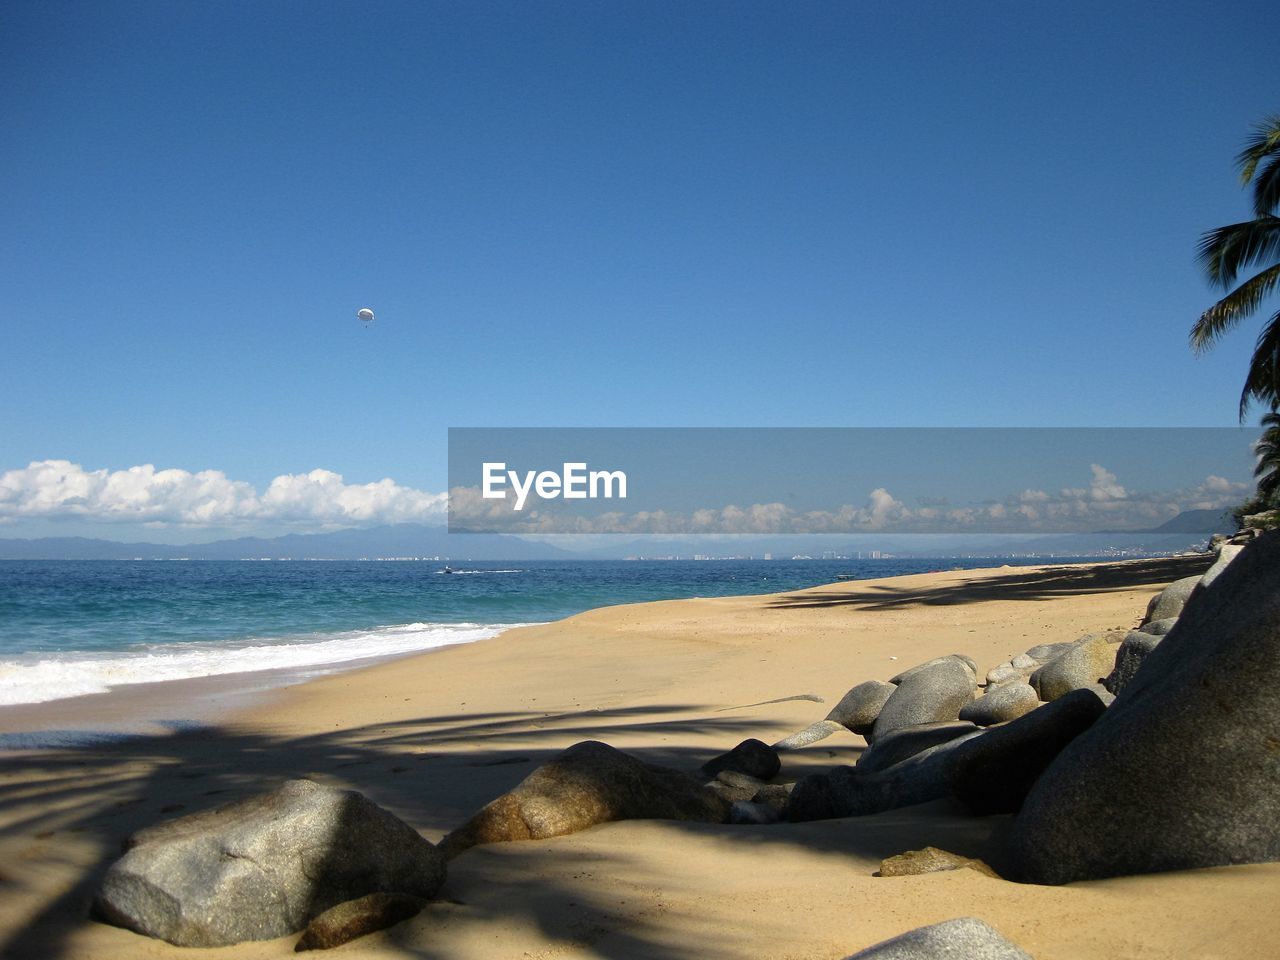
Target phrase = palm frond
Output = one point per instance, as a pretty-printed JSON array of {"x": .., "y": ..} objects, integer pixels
[
  {"x": 1267, "y": 450},
  {"x": 1263, "y": 380},
  {"x": 1224, "y": 252},
  {"x": 1264, "y": 141},
  {"x": 1233, "y": 308},
  {"x": 1266, "y": 188}
]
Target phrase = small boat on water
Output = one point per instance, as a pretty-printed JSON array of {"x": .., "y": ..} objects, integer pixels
[
  {"x": 847, "y": 576},
  {"x": 447, "y": 569}
]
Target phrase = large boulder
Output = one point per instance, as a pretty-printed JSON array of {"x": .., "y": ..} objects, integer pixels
[
  {"x": 965, "y": 937},
  {"x": 1134, "y": 650},
  {"x": 1008, "y": 701},
  {"x": 989, "y": 770},
  {"x": 587, "y": 784},
  {"x": 858, "y": 709},
  {"x": 994, "y": 772},
  {"x": 1158, "y": 628},
  {"x": 929, "y": 693},
  {"x": 1183, "y": 770},
  {"x": 1226, "y": 553},
  {"x": 1086, "y": 661},
  {"x": 752, "y": 757},
  {"x": 1170, "y": 601},
  {"x": 896, "y": 746},
  {"x": 264, "y": 867}
]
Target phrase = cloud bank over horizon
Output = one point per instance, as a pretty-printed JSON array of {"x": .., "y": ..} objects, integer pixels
[
  {"x": 59, "y": 490},
  {"x": 1104, "y": 504}
]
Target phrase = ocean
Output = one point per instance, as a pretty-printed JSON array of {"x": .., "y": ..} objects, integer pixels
[{"x": 74, "y": 627}]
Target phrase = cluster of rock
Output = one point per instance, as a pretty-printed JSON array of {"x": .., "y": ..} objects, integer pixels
[{"x": 1120, "y": 752}]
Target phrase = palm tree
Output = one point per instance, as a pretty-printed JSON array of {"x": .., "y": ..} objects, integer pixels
[
  {"x": 1267, "y": 450},
  {"x": 1227, "y": 251}
]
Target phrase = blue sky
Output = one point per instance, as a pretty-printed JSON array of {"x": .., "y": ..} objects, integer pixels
[{"x": 598, "y": 214}]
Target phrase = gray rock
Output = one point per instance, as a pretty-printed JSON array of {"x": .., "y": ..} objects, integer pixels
[
  {"x": 1024, "y": 661},
  {"x": 774, "y": 795},
  {"x": 810, "y": 799},
  {"x": 1087, "y": 661},
  {"x": 1006, "y": 702},
  {"x": 264, "y": 867},
  {"x": 1005, "y": 673},
  {"x": 1102, "y": 693},
  {"x": 588, "y": 783},
  {"x": 357, "y": 918},
  {"x": 1044, "y": 652},
  {"x": 896, "y": 746},
  {"x": 746, "y": 812},
  {"x": 1133, "y": 651},
  {"x": 965, "y": 938},
  {"x": 1183, "y": 770},
  {"x": 734, "y": 786},
  {"x": 1158, "y": 628},
  {"x": 858, "y": 709},
  {"x": 810, "y": 734},
  {"x": 927, "y": 694},
  {"x": 1170, "y": 601},
  {"x": 989, "y": 770},
  {"x": 752, "y": 757},
  {"x": 1226, "y": 553},
  {"x": 966, "y": 661},
  {"x": 994, "y": 773}
]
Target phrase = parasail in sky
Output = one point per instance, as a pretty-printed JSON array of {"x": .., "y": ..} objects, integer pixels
[{"x": 364, "y": 315}]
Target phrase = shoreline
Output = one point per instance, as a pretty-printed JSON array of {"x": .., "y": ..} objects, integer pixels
[
  {"x": 434, "y": 737},
  {"x": 157, "y": 707}
]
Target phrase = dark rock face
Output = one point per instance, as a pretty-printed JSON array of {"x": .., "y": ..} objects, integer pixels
[
  {"x": 735, "y": 786},
  {"x": 264, "y": 867},
  {"x": 752, "y": 757},
  {"x": 1183, "y": 770},
  {"x": 1159, "y": 628},
  {"x": 1000, "y": 704},
  {"x": 965, "y": 937},
  {"x": 989, "y": 770},
  {"x": 1133, "y": 651},
  {"x": 810, "y": 799},
  {"x": 587, "y": 784},
  {"x": 356, "y": 918},
  {"x": 858, "y": 709},
  {"x": 993, "y": 773},
  {"x": 898, "y": 745},
  {"x": 930, "y": 693}
]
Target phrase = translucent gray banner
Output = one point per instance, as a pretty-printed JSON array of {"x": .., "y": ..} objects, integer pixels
[{"x": 844, "y": 480}]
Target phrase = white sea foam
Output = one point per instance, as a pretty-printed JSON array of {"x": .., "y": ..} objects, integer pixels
[{"x": 40, "y": 678}]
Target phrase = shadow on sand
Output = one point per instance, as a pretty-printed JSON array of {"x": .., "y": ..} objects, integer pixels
[
  {"x": 433, "y": 772},
  {"x": 1048, "y": 584}
]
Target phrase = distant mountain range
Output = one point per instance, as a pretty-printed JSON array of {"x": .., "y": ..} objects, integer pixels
[
  {"x": 399, "y": 540},
  {"x": 418, "y": 540}
]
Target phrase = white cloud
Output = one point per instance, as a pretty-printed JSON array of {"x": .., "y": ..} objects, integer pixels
[
  {"x": 1105, "y": 504},
  {"x": 59, "y": 490}
]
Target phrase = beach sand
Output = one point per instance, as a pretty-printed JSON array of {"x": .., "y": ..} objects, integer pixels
[{"x": 435, "y": 736}]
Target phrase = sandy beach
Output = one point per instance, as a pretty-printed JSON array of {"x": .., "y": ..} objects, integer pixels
[{"x": 436, "y": 736}]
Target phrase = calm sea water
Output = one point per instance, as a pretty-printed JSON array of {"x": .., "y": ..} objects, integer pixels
[{"x": 71, "y": 627}]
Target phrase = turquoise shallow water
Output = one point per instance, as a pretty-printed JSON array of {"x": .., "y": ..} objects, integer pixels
[{"x": 71, "y": 627}]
